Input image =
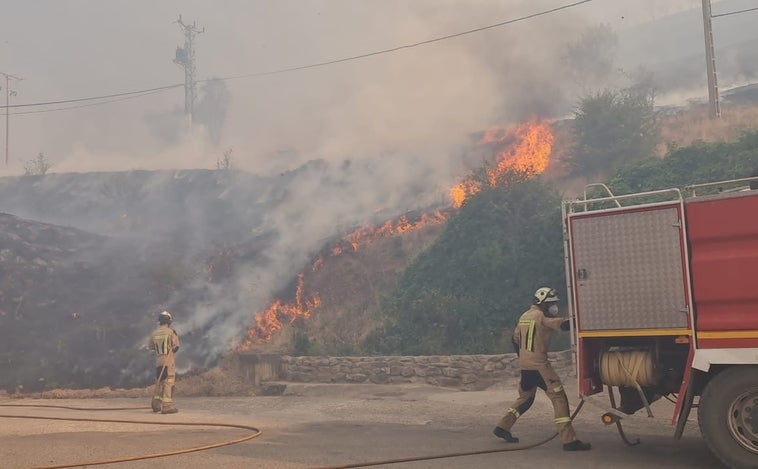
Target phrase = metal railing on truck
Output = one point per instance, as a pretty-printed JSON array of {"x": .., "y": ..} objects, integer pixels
[
  {"x": 637, "y": 199},
  {"x": 721, "y": 187}
]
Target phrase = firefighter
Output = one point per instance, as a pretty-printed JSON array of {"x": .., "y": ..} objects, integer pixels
[
  {"x": 165, "y": 342},
  {"x": 532, "y": 339}
]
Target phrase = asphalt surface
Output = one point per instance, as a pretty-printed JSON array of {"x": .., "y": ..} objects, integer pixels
[{"x": 341, "y": 425}]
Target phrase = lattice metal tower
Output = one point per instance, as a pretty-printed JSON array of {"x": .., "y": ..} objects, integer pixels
[{"x": 185, "y": 58}]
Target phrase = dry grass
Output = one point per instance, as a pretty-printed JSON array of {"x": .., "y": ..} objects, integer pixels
[
  {"x": 351, "y": 287},
  {"x": 694, "y": 124}
]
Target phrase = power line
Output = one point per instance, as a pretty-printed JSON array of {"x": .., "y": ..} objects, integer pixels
[
  {"x": 407, "y": 46},
  {"x": 133, "y": 96},
  {"x": 93, "y": 98},
  {"x": 291, "y": 69},
  {"x": 734, "y": 12}
]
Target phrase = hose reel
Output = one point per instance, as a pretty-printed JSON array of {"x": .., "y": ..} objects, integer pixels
[{"x": 631, "y": 368}]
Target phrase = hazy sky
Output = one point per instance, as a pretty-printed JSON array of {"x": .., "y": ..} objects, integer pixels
[
  {"x": 402, "y": 119},
  {"x": 425, "y": 100}
]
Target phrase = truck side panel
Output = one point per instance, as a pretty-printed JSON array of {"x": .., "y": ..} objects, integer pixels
[
  {"x": 723, "y": 236},
  {"x": 629, "y": 269}
]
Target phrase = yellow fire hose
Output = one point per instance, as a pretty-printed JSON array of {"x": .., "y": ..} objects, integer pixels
[
  {"x": 455, "y": 455},
  {"x": 255, "y": 432}
]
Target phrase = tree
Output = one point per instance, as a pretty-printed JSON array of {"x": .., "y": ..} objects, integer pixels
[
  {"x": 224, "y": 162},
  {"x": 38, "y": 166},
  {"x": 591, "y": 58},
  {"x": 613, "y": 127},
  {"x": 212, "y": 108}
]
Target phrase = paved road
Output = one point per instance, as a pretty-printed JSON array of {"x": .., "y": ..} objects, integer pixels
[{"x": 332, "y": 426}]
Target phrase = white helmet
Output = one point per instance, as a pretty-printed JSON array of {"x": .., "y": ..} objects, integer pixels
[
  {"x": 545, "y": 295},
  {"x": 165, "y": 318}
]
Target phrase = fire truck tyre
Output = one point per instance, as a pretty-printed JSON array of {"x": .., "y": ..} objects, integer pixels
[{"x": 728, "y": 416}]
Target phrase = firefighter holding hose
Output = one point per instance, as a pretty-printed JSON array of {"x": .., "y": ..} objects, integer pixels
[
  {"x": 532, "y": 339},
  {"x": 165, "y": 342}
]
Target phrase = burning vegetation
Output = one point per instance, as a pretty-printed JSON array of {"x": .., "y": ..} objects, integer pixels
[{"x": 525, "y": 149}]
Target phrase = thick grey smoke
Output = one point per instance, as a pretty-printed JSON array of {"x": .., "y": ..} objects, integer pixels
[
  {"x": 386, "y": 130},
  {"x": 425, "y": 100}
]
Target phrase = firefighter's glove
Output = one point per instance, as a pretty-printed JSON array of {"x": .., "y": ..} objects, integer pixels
[
  {"x": 175, "y": 349},
  {"x": 566, "y": 325}
]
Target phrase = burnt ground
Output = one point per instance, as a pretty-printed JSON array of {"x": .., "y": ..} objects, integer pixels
[
  {"x": 88, "y": 260},
  {"x": 69, "y": 314}
]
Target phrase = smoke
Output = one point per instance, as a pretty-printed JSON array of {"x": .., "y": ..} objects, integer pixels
[
  {"x": 335, "y": 143},
  {"x": 424, "y": 100}
]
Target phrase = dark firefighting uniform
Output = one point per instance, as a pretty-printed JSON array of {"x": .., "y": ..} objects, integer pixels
[
  {"x": 533, "y": 338},
  {"x": 165, "y": 342}
]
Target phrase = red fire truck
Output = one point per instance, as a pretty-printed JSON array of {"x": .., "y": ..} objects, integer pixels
[{"x": 663, "y": 287}]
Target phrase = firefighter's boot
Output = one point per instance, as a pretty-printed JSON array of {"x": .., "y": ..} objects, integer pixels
[
  {"x": 169, "y": 410},
  {"x": 576, "y": 445},
  {"x": 156, "y": 404},
  {"x": 504, "y": 434}
]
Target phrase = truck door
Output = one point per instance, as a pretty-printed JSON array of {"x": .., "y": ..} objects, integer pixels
[{"x": 629, "y": 270}]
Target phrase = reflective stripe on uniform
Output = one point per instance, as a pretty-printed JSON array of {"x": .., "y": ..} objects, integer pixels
[
  {"x": 515, "y": 412},
  {"x": 167, "y": 400},
  {"x": 558, "y": 388},
  {"x": 160, "y": 342},
  {"x": 530, "y": 334},
  {"x": 561, "y": 420}
]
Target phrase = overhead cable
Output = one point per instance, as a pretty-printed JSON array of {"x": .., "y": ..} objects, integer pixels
[
  {"x": 735, "y": 12},
  {"x": 406, "y": 46},
  {"x": 288, "y": 69}
]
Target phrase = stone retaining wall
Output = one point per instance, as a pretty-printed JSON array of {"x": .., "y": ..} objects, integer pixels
[{"x": 461, "y": 371}]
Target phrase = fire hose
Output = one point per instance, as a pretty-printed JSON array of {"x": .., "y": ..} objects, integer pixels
[
  {"x": 455, "y": 455},
  {"x": 256, "y": 433}
]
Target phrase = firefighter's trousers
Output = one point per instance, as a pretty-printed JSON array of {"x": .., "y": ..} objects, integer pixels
[
  {"x": 165, "y": 378},
  {"x": 546, "y": 379}
]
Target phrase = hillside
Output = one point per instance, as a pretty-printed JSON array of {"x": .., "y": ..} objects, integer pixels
[{"x": 87, "y": 260}]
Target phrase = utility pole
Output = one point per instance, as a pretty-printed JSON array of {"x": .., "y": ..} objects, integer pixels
[
  {"x": 710, "y": 62},
  {"x": 8, "y": 94},
  {"x": 185, "y": 58}
]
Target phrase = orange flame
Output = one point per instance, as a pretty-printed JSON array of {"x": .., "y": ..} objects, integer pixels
[
  {"x": 269, "y": 321},
  {"x": 366, "y": 235},
  {"x": 527, "y": 151}
]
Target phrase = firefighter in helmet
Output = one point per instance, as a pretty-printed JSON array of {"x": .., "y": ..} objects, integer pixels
[
  {"x": 532, "y": 338},
  {"x": 165, "y": 342}
]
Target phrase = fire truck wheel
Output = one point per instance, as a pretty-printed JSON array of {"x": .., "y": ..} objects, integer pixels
[{"x": 728, "y": 416}]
